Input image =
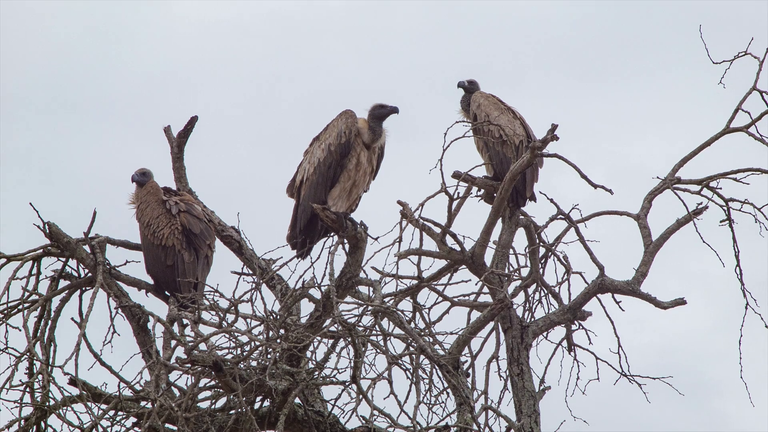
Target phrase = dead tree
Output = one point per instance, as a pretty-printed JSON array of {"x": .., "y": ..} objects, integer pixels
[{"x": 364, "y": 338}]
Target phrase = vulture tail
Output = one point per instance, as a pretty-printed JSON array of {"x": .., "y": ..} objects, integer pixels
[
  {"x": 303, "y": 238},
  {"x": 519, "y": 196}
]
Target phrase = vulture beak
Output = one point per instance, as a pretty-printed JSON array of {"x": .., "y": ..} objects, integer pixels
[
  {"x": 135, "y": 178},
  {"x": 461, "y": 84},
  {"x": 395, "y": 110}
]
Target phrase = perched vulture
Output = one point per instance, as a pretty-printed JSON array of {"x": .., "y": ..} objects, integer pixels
[
  {"x": 176, "y": 236},
  {"x": 338, "y": 167},
  {"x": 501, "y": 136}
]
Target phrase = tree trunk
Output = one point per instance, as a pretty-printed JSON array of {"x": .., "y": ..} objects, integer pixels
[{"x": 521, "y": 376}]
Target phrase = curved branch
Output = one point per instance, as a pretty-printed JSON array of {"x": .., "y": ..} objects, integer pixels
[
  {"x": 134, "y": 313},
  {"x": 578, "y": 171}
]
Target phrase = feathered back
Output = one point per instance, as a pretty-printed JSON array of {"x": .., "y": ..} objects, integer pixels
[
  {"x": 502, "y": 136},
  {"x": 337, "y": 169},
  {"x": 319, "y": 171},
  {"x": 177, "y": 238}
]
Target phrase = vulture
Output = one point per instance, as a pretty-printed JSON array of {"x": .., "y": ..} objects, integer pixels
[
  {"x": 177, "y": 238},
  {"x": 337, "y": 168},
  {"x": 501, "y": 136}
]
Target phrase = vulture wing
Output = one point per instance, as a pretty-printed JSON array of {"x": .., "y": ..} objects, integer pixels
[
  {"x": 319, "y": 171},
  {"x": 502, "y": 136},
  {"x": 379, "y": 160},
  {"x": 177, "y": 238}
]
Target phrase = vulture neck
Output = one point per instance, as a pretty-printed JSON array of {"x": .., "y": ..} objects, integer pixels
[
  {"x": 143, "y": 192},
  {"x": 465, "y": 104},
  {"x": 371, "y": 130}
]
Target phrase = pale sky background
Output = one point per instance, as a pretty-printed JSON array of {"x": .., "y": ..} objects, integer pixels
[{"x": 85, "y": 89}]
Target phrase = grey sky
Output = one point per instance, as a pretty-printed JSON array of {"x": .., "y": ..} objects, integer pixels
[{"x": 85, "y": 89}]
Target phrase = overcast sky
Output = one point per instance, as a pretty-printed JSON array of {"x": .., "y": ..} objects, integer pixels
[{"x": 85, "y": 89}]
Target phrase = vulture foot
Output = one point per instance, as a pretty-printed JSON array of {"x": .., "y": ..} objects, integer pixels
[
  {"x": 489, "y": 197},
  {"x": 335, "y": 221},
  {"x": 345, "y": 219}
]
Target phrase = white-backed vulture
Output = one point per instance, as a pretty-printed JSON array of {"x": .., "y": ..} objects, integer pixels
[
  {"x": 177, "y": 238},
  {"x": 338, "y": 167},
  {"x": 501, "y": 136}
]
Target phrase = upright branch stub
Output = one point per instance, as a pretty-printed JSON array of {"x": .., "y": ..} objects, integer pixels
[
  {"x": 178, "y": 143},
  {"x": 226, "y": 234}
]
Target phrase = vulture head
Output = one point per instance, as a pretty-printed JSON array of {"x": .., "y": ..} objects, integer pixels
[
  {"x": 380, "y": 112},
  {"x": 470, "y": 86},
  {"x": 141, "y": 177}
]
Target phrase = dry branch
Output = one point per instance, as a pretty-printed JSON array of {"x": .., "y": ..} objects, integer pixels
[{"x": 434, "y": 330}]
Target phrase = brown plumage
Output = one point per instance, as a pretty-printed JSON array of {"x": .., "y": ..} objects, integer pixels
[
  {"x": 176, "y": 237},
  {"x": 501, "y": 136},
  {"x": 338, "y": 167}
]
